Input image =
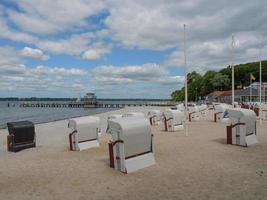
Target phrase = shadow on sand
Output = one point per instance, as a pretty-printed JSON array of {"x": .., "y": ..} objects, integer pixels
[{"x": 220, "y": 140}]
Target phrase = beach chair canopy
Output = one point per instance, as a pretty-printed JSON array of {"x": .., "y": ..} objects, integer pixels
[
  {"x": 177, "y": 115},
  {"x": 192, "y": 109},
  {"x": 221, "y": 107},
  {"x": 135, "y": 133},
  {"x": 21, "y": 135},
  {"x": 180, "y": 107},
  {"x": 241, "y": 115},
  {"x": 85, "y": 133},
  {"x": 135, "y": 114}
]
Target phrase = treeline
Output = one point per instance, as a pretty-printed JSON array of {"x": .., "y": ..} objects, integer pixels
[{"x": 201, "y": 85}]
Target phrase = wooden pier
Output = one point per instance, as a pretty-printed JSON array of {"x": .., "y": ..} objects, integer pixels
[{"x": 82, "y": 105}]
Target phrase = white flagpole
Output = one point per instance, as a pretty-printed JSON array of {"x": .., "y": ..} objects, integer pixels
[
  {"x": 185, "y": 84},
  {"x": 260, "y": 87},
  {"x": 233, "y": 73},
  {"x": 250, "y": 90}
]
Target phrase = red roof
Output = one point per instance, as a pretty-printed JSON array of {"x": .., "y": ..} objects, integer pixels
[{"x": 223, "y": 93}]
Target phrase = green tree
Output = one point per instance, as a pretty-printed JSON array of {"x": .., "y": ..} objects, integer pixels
[{"x": 220, "y": 81}]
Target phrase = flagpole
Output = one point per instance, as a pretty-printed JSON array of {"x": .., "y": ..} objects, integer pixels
[
  {"x": 250, "y": 89},
  {"x": 260, "y": 87},
  {"x": 233, "y": 73},
  {"x": 185, "y": 84}
]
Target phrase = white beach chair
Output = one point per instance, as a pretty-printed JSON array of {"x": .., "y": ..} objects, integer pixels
[
  {"x": 220, "y": 113},
  {"x": 203, "y": 109},
  {"x": 110, "y": 117},
  {"x": 85, "y": 133},
  {"x": 237, "y": 105},
  {"x": 173, "y": 120},
  {"x": 242, "y": 130},
  {"x": 264, "y": 111},
  {"x": 180, "y": 107},
  {"x": 193, "y": 112},
  {"x": 131, "y": 147},
  {"x": 133, "y": 114},
  {"x": 155, "y": 117}
]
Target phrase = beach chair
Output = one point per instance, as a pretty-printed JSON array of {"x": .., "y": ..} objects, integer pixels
[
  {"x": 85, "y": 133},
  {"x": 264, "y": 111},
  {"x": 193, "y": 112},
  {"x": 173, "y": 120},
  {"x": 21, "y": 136},
  {"x": 221, "y": 113},
  {"x": 180, "y": 107},
  {"x": 110, "y": 117},
  {"x": 242, "y": 130},
  {"x": 131, "y": 147},
  {"x": 133, "y": 114},
  {"x": 155, "y": 117},
  {"x": 203, "y": 108}
]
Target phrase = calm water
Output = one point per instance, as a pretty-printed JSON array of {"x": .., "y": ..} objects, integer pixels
[{"x": 41, "y": 115}]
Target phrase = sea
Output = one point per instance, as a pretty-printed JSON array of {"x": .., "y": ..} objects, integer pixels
[{"x": 42, "y": 115}]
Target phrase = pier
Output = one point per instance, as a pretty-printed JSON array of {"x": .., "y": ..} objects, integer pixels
[{"x": 83, "y": 105}]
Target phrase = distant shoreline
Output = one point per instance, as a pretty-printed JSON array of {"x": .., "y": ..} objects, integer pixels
[{"x": 74, "y": 99}]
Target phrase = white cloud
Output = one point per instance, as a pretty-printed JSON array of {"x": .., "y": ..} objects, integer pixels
[
  {"x": 216, "y": 54},
  {"x": 8, "y": 33},
  {"x": 146, "y": 73},
  {"x": 61, "y": 71},
  {"x": 50, "y": 16},
  {"x": 34, "y": 53},
  {"x": 96, "y": 52},
  {"x": 73, "y": 45}
]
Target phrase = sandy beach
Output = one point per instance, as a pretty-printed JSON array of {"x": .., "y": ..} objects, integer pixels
[{"x": 200, "y": 166}]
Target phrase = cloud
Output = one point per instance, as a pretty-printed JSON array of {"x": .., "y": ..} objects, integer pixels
[
  {"x": 61, "y": 71},
  {"x": 73, "y": 45},
  {"x": 8, "y": 33},
  {"x": 17, "y": 79},
  {"x": 34, "y": 53},
  {"x": 146, "y": 73},
  {"x": 50, "y": 17},
  {"x": 96, "y": 52},
  {"x": 216, "y": 54}
]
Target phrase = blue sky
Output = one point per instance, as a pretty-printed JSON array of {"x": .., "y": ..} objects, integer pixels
[{"x": 120, "y": 49}]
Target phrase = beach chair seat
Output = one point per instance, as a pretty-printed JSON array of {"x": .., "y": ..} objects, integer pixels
[
  {"x": 131, "y": 147},
  {"x": 85, "y": 133},
  {"x": 220, "y": 113},
  {"x": 173, "y": 120},
  {"x": 155, "y": 117},
  {"x": 193, "y": 112},
  {"x": 21, "y": 136},
  {"x": 242, "y": 130}
]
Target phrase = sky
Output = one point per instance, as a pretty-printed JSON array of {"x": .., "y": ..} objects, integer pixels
[{"x": 121, "y": 48}]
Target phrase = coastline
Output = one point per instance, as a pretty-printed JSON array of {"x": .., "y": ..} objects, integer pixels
[{"x": 65, "y": 118}]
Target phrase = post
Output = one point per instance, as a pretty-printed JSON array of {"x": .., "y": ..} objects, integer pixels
[
  {"x": 250, "y": 90},
  {"x": 260, "y": 89},
  {"x": 185, "y": 83},
  {"x": 233, "y": 73}
]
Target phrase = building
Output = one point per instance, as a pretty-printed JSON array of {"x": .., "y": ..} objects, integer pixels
[
  {"x": 90, "y": 100},
  {"x": 222, "y": 96},
  {"x": 243, "y": 95}
]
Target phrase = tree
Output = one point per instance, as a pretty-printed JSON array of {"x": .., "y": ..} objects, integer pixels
[
  {"x": 220, "y": 82},
  {"x": 200, "y": 86}
]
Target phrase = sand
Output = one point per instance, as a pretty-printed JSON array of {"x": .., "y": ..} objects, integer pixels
[{"x": 200, "y": 166}]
